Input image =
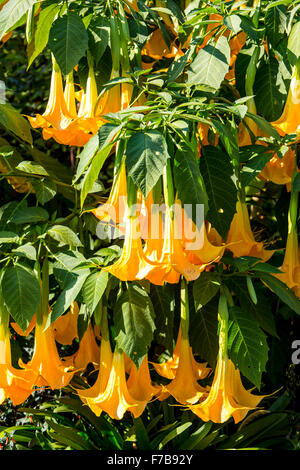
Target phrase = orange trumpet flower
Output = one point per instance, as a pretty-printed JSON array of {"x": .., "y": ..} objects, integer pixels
[{"x": 241, "y": 238}]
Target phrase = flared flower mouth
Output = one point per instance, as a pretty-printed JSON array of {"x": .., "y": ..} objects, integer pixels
[{"x": 240, "y": 237}]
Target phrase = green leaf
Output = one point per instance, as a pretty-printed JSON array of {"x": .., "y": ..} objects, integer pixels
[
  {"x": 99, "y": 36},
  {"x": 12, "y": 12},
  {"x": 28, "y": 251},
  {"x": 45, "y": 190},
  {"x": 281, "y": 290},
  {"x": 210, "y": 66},
  {"x": 134, "y": 322},
  {"x": 26, "y": 215},
  {"x": 294, "y": 43},
  {"x": 270, "y": 89},
  {"x": 64, "y": 235},
  {"x": 255, "y": 164},
  {"x": 146, "y": 158},
  {"x": 68, "y": 40},
  {"x": 264, "y": 125},
  {"x": 86, "y": 155},
  {"x": 32, "y": 167},
  {"x": 68, "y": 295},
  {"x": 204, "y": 332},
  {"x": 247, "y": 345},
  {"x": 8, "y": 237},
  {"x": 189, "y": 181},
  {"x": 94, "y": 288},
  {"x": 93, "y": 171},
  {"x": 21, "y": 293},
  {"x": 163, "y": 301},
  {"x": 41, "y": 36},
  {"x": 275, "y": 23},
  {"x": 217, "y": 173},
  {"x": 11, "y": 120},
  {"x": 296, "y": 183},
  {"x": 205, "y": 288}
]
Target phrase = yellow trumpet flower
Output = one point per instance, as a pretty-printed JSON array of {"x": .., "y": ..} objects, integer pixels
[
  {"x": 168, "y": 368},
  {"x": 56, "y": 113},
  {"x": 88, "y": 351},
  {"x": 241, "y": 238},
  {"x": 139, "y": 382},
  {"x": 291, "y": 263},
  {"x": 48, "y": 368},
  {"x": 15, "y": 384},
  {"x": 227, "y": 396},
  {"x": 289, "y": 121},
  {"x": 65, "y": 326},
  {"x": 279, "y": 170}
]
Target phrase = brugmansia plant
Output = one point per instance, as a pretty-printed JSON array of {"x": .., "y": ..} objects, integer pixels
[{"x": 149, "y": 252}]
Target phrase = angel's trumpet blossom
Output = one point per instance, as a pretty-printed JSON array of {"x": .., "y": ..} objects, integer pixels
[
  {"x": 168, "y": 368},
  {"x": 157, "y": 49},
  {"x": 56, "y": 114},
  {"x": 289, "y": 121},
  {"x": 279, "y": 170},
  {"x": 115, "y": 206},
  {"x": 227, "y": 396},
  {"x": 291, "y": 263},
  {"x": 65, "y": 327},
  {"x": 240, "y": 237},
  {"x": 15, "y": 384},
  {"x": 46, "y": 364},
  {"x": 139, "y": 382},
  {"x": 110, "y": 392},
  {"x": 184, "y": 387},
  {"x": 88, "y": 351}
]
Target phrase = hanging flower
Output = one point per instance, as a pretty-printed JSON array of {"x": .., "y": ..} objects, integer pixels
[
  {"x": 46, "y": 365},
  {"x": 56, "y": 114},
  {"x": 227, "y": 396},
  {"x": 65, "y": 326},
  {"x": 15, "y": 384},
  {"x": 289, "y": 121},
  {"x": 291, "y": 264},
  {"x": 240, "y": 238},
  {"x": 279, "y": 170},
  {"x": 168, "y": 368},
  {"x": 139, "y": 382},
  {"x": 88, "y": 351}
]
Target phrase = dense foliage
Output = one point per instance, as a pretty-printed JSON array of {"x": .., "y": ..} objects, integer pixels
[{"x": 149, "y": 260}]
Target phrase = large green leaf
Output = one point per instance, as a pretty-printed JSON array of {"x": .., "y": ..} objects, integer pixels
[
  {"x": 294, "y": 43},
  {"x": 204, "y": 332},
  {"x": 247, "y": 345},
  {"x": 21, "y": 293},
  {"x": 275, "y": 23},
  {"x": 94, "y": 288},
  {"x": 41, "y": 36},
  {"x": 163, "y": 301},
  {"x": 270, "y": 89},
  {"x": 64, "y": 235},
  {"x": 134, "y": 322},
  {"x": 210, "y": 66},
  {"x": 146, "y": 158},
  {"x": 281, "y": 290},
  {"x": 205, "y": 288},
  {"x": 11, "y": 120},
  {"x": 188, "y": 181},
  {"x": 12, "y": 12},
  {"x": 217, "y": 174},
  {"x": 99, "y": 36},
  {"x": 68, "y": 40}
]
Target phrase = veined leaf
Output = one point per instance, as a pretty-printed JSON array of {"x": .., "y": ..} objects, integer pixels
[
  {"x": 41, "y": 36},
  {"x": 189, "y": 181},
  {"x": 21, "y": 293},
  {"x": 281, "y": 290},
  {"x": 205, "y": 288},
  {"x": 217, "y": 173},
  {"x": 12, "y": 12},
  {"x": 247, "y": 345},
  {"x": 210, "y": 66},
  {"x": 13, "y": 121},
  {"x": 134, "y": 322},
  {"x": 68, "y": 40},
  {"x": 146, "y": 158},
  {"x": 94, "y": 288},
  {"x": 64, "y": 235}
]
